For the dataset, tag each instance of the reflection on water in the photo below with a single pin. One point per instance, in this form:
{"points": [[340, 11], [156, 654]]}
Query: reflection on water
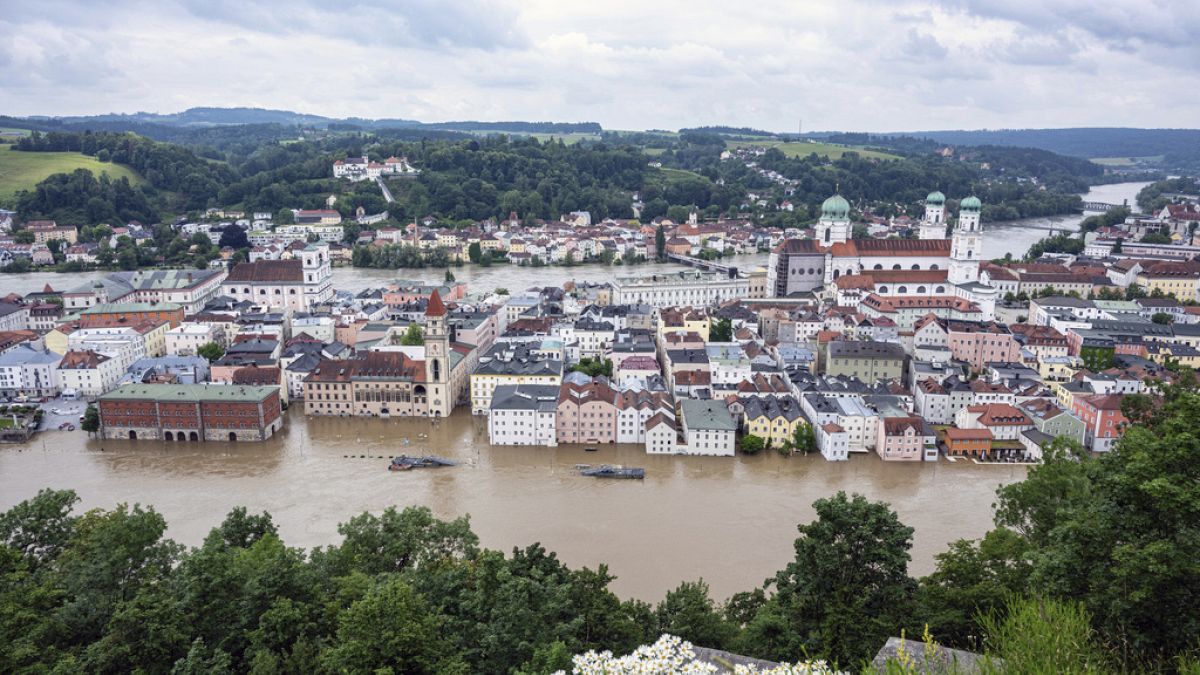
{"points": [[731, 521]]}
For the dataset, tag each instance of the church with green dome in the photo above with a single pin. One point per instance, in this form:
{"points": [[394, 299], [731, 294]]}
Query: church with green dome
{"points": [[940, 267]]}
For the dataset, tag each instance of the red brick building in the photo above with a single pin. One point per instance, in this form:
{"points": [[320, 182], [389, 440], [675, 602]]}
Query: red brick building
{"points": [[190, 412], [117, 313]]}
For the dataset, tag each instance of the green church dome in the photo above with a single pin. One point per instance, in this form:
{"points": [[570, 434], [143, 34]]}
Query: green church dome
{"points": [[835, 207], [971, 203], [935, 197]]}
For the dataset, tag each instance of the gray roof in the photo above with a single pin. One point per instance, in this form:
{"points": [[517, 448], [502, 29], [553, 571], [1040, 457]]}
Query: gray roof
{"points": [[865, 349], [773, 407], [707, 415], [540, 397], [23, 354]]}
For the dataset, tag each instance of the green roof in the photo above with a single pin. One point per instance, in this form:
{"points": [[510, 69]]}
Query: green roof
{"points": [[971, 203], [113, 307], [935, 197], [835, 207], [707, 415], [193, 393]]}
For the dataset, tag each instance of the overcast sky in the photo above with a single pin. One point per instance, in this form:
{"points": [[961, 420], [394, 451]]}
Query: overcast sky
{"points": [[629, 64]]}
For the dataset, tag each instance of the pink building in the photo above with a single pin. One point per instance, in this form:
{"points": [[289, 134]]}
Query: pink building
{"points": [[900, 439], [1102, 420], [587, 413], [980, 343], [403, 292]]}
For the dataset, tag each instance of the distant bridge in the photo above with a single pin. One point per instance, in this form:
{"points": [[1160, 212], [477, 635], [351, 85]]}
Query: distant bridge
{"points": [[710, 265], [1100, 207]]}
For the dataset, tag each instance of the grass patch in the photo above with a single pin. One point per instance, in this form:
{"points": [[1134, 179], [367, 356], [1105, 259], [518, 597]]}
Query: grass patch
{"points": [[804, 149], [24, 170], [667, 176], [653, 152], [6, 423]]}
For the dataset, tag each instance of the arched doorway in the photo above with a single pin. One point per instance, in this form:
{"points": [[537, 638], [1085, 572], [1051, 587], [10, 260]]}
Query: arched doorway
{"points": [[168, 436], [232, 436], [132, 435], [193, 436]]}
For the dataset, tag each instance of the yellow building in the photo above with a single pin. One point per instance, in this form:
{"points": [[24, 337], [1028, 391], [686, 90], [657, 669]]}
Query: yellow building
{"points": [[1178, 280], [1184, 355], [1058, 368], [772, 418], [683, 320]]}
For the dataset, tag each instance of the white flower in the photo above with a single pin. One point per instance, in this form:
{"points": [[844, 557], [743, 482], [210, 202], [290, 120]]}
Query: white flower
{"points": [[674, 655]]}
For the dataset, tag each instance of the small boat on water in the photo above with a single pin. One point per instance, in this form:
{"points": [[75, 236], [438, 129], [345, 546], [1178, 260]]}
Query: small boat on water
{"points": [[614, 471], [406, 462], [591, 449]]}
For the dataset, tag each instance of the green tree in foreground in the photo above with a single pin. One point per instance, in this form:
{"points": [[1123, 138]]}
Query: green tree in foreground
{"points": [[688, 612], [392, 630], [845, 593]]}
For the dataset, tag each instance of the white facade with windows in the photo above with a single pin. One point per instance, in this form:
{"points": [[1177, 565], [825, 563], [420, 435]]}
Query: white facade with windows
{"points": [[688, 288], [25, 371], [186, 338], [524, 415]]}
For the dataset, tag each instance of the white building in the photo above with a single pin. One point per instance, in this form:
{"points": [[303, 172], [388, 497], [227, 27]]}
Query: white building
{"points": [[523, 415], [295, 285], [661, 436], [708, 428], [123, 344], [89, 373], [186, 338], [694, 288], [25, 371], [833, 441]]}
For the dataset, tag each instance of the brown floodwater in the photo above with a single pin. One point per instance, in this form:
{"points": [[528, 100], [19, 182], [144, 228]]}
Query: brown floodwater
{"points": [[731, 521]]}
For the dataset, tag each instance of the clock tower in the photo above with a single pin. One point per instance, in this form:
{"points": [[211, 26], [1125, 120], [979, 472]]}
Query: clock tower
{"points": [[437, 358]]}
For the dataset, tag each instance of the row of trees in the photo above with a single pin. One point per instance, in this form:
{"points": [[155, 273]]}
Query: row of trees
{"points": [[1110, 543], [398, 256]]}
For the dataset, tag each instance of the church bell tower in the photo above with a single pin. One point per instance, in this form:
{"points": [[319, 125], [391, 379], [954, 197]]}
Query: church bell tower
{"points": [[437, 358]]}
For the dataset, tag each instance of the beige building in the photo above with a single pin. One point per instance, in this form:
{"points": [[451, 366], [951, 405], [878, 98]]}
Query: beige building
{"points": [[866, 360]]}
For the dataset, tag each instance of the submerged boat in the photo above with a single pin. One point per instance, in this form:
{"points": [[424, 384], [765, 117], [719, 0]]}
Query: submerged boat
{"points": [[611, 471], [405, 462]]}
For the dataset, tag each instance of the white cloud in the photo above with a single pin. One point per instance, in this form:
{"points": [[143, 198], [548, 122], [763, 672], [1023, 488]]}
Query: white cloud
{"points": [[850, 64]]}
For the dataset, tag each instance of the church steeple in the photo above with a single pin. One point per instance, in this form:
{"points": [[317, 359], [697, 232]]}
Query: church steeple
{"points": [[437, 357]]}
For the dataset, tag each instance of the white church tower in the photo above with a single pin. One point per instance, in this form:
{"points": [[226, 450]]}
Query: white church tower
{"points": [[834, 225], [933, 225], [965, 244]]}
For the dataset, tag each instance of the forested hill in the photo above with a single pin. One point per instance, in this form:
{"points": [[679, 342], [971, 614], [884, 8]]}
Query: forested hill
{"points": [[1077, 142], [209, 117]]}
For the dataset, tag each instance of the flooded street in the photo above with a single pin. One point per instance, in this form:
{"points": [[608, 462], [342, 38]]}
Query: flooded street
{"points": [[729, 520]]}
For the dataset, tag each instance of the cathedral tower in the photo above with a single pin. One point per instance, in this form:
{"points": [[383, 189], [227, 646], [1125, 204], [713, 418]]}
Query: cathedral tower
{"points": [[965, 244], [834, 225], [933, 224]]}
